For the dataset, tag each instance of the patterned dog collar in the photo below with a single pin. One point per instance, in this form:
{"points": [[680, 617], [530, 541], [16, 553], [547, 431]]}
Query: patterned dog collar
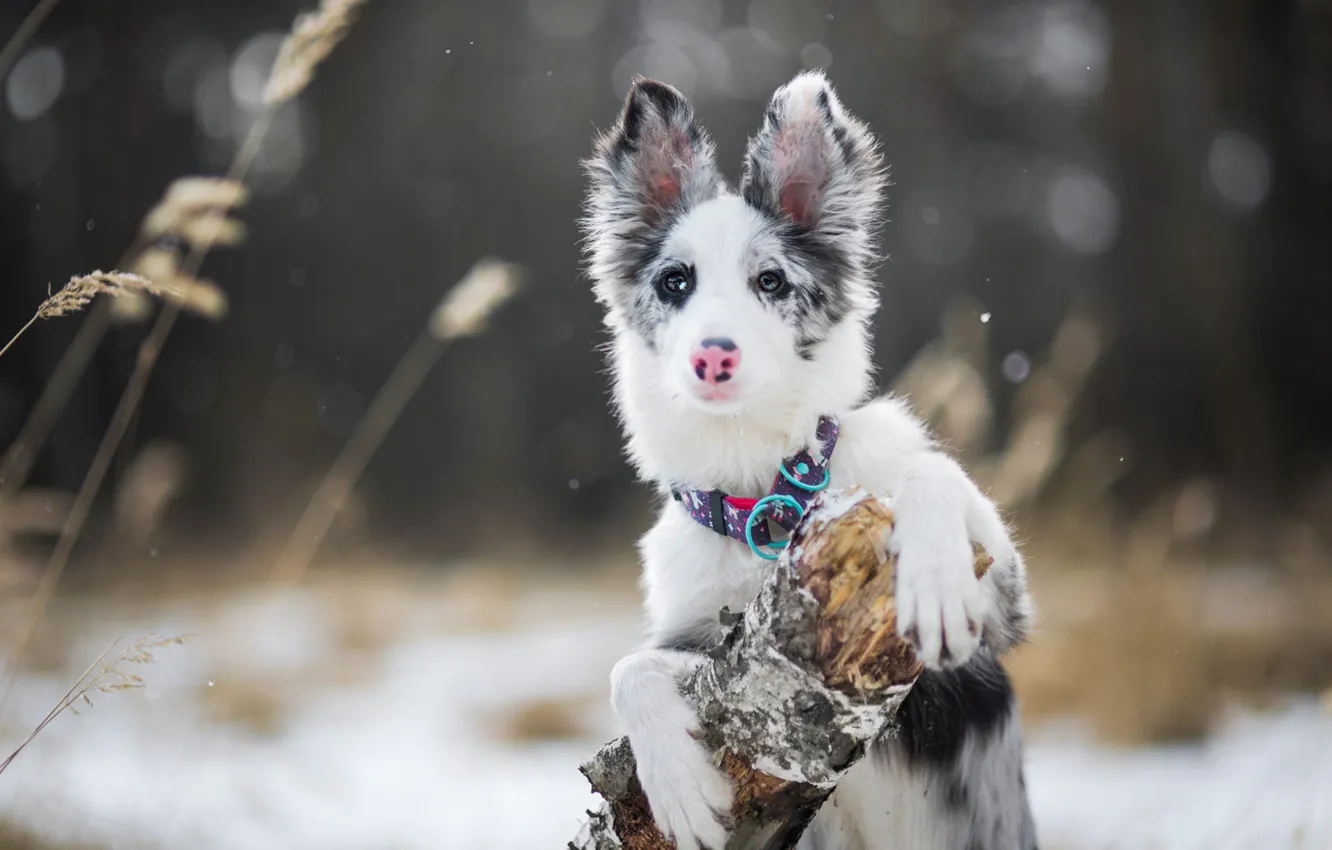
{"points": [[798, 479]]}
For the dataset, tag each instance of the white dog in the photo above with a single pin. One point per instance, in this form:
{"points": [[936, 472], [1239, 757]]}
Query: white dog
{"points": [[741, 357]]}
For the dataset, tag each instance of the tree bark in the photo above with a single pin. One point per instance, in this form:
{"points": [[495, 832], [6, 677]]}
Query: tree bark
{"points": [[798, 688]]}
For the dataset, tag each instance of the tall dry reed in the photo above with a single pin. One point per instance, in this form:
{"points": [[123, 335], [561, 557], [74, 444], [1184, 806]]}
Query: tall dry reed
{"points": [[101, 677], [77, 294], [312, 38], [194, 210], [463, 312]]}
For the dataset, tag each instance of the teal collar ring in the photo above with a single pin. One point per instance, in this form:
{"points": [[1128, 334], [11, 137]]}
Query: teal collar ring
{"points": [[799, 478]]}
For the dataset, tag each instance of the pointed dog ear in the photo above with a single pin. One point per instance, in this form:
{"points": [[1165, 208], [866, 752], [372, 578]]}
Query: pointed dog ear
{"points": [[655, 159], [813, 163]]}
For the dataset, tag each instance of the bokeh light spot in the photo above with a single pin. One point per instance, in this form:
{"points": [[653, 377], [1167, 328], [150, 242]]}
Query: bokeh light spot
{"points": [[35, 82], [1083, 212], [815, 55], [1072, 52], [1240, 169], [1016, 367]]}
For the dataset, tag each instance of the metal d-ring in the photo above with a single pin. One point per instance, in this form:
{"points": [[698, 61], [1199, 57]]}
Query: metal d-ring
{"points": [[757, 511], [810, 488]]}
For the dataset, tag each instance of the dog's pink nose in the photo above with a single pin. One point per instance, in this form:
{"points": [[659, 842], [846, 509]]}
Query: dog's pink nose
{"points": [[715, 360]]}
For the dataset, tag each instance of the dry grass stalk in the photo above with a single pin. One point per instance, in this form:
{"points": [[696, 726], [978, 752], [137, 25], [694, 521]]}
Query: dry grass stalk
{"points": [[196, 296], [79, 293], [185, 197], [211, 229], [35, 510], [121, 417], [161, 267], [191, 199], [149, 352], [946, 382], [946, 385], [131, 308], [151, 482], [101, 677], [464, 310], [22, 452], [191, 196], [20, 455], [196, 210], [81, 290], [155, 263], [200, 297], [313, 37], [466, 307], [158, 263]]}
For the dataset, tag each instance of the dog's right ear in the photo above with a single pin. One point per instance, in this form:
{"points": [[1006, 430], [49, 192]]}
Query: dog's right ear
{"points": [[814, 165], [654, 162]]}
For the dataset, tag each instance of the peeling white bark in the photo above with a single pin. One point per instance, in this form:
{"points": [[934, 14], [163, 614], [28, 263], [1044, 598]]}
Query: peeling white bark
{"points": [[765, 698], [784, 734]]}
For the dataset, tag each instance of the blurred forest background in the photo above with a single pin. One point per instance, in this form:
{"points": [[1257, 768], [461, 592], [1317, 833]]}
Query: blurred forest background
{"points": [[1109, 287]]}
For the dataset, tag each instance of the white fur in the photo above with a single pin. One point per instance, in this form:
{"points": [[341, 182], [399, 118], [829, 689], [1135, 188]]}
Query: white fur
{"points": [[678, 438], [690, 572], [686, 792]]}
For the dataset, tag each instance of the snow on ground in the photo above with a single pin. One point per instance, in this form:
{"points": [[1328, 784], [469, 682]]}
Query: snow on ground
{"points": [[398, 746], [1263, 782]]}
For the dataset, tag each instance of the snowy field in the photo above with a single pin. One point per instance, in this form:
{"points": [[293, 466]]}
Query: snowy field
{"points": [[286, 724]]}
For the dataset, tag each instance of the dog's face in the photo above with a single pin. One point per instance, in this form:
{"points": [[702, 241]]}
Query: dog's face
{"points": [[725, 302]]}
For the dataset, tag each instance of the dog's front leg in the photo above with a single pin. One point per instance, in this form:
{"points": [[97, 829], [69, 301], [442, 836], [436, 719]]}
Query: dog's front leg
{"points": [[945, 611], [688, 794]]}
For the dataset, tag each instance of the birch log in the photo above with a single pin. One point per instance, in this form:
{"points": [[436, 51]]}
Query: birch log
{"points": [[796, 691]]}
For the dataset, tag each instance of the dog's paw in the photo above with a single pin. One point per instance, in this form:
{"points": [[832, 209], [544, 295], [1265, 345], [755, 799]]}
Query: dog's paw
{"points": [[690, 798], [940, 605]]}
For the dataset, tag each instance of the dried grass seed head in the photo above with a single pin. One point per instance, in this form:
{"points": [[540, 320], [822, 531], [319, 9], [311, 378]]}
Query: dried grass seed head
{"points": [[131, 308], [312, 38], [200, 297], [161, 266], [81, 290], [207, 193], [196, 210], [210, 229], [468, 305]]}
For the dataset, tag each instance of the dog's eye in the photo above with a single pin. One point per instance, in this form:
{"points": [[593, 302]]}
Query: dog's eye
{"points": [[771, 282], [675, 283]]}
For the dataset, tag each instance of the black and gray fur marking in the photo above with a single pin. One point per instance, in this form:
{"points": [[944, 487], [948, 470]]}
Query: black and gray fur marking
{"points": [[809, 140], [827, 258], [945, 706], [700, 637], [1011, 622], [645, 172], [958, 728]]}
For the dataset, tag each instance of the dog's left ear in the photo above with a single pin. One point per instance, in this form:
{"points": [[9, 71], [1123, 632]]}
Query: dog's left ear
{"points": [[813, 163], [655, 159], [655, 163]]}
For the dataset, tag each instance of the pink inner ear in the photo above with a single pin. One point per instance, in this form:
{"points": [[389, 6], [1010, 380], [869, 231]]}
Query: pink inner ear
{"points": [[665, 158], [665, 189], [801, 170], [800, 201]]}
